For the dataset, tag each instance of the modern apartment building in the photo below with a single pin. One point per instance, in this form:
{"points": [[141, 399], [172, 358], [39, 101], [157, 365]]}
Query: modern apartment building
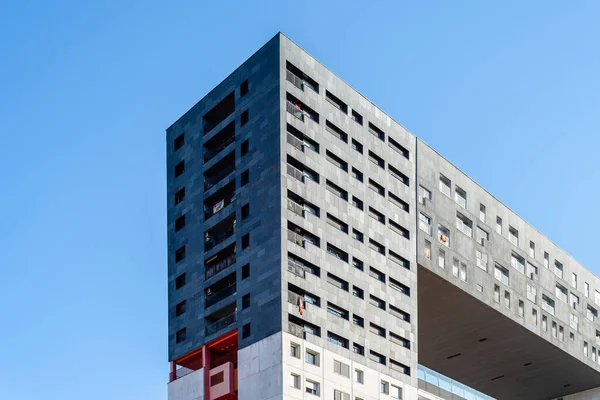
{"points": [[317, 249]]}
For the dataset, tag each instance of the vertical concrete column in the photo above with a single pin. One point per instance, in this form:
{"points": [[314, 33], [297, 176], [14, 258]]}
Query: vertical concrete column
{"points": [[206, 366]]}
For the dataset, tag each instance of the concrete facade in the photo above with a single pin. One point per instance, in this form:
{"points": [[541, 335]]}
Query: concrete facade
{"points": [[303, 226]]}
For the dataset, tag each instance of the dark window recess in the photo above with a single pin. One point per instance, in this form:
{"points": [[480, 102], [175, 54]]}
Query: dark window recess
{"points": [[299, 78], [376, 215], [398, 201], [180, 308], [358, 320], [357, 174], [357, 117], [301, 207], [217, 378], [356, 145], [398, 259], [300, 266], [220, 290], [358, 264], [244, 118], [245, 211], [336, 190], [337, 132], [394, 338], [245, 241], [376, 187], [219, 171], [337, 340], [375, 159], [180, 335], [219, 233], [246, 301], [299, 171], [337, 282], [246, 271], [399, 229], [399, 175], [244, 88], [398, 313], [180, 281], [301, 328], [179, 168], [300, 110], [180, 254], [337, 253], [308, 297], [378, 247], [376, 131], [400, 287], [179, 142], [336, 102], [219, 142], [398, 147], [301, 236], [217, 202], [377, 302], [299, 140], [219, 112], [335, 160], [397, 366], [376, 329], [358, 292], [376, 274], [245, 147], [246, 331], [245, 178], [337, 223], [378, 358], [179, 196], [220, 319], [337, 311], [220, 261], [358, 349], [356, 202], [180, 223]]}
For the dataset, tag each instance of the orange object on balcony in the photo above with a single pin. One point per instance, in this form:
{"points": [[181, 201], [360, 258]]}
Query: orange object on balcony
{"points": [[222, 381]]}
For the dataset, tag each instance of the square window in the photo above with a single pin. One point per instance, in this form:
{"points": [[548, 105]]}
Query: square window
{"points": [[295, 381], [358, 349], [245, 211], [245, 271], [244, 88], [180, 254], [179, 168], [244, 118], [246, 331], [245, 241], [359, 376], [245, 147], [178, 142], [179, 196], [180, 281], [180, 335], [312, 357], [246, 301], [180, 223], [180, 308], [245, 178]]}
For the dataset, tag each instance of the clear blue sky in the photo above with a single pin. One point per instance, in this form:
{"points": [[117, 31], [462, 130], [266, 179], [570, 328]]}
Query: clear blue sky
{"points": [[509, 91]]}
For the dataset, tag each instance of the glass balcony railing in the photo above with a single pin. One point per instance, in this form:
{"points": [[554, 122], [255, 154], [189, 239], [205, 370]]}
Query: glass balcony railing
{"points": [[222, 323], [435, 378]]}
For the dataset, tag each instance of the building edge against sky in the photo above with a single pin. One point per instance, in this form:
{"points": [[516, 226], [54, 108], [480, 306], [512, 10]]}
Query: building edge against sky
{"points": [[305, 226]]}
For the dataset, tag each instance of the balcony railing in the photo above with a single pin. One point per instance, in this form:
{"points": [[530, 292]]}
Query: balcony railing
{"points": [[296, 330], [296, 81], [295, 238], [209, 154], [501, 277], [214, 269], [295, 208], [295, 172], [213, 180], [220, 295], [294, 141], [296, 269], [548, 308], [213, 240], [295, 110], [221, 324]]}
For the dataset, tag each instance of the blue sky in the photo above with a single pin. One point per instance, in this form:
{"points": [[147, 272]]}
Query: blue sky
{"points": [[509, 91]]}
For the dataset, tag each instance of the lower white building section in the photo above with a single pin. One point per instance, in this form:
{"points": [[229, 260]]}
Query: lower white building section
{"points": [[260, 370], [188, 387]]}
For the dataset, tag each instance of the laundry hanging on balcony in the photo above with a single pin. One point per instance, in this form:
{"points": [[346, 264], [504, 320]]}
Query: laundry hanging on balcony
{"points": [[219, 206], [300, 303]]}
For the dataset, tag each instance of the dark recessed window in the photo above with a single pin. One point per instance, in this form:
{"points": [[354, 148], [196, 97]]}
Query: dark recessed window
{"points": [[245, 241], [245, 271], [180, 281], [179, 223], [180, 254], [180, 335], [246, 331], [245, 178], [246, 301], [178, 142], [245, 147], [244, 118], [179, 196], [179, 168], [244, 88], [245, 211], [180, 308]]}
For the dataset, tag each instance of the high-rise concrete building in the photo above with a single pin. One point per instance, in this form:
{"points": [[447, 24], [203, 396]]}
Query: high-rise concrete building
{"points": [[317, 249]]}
